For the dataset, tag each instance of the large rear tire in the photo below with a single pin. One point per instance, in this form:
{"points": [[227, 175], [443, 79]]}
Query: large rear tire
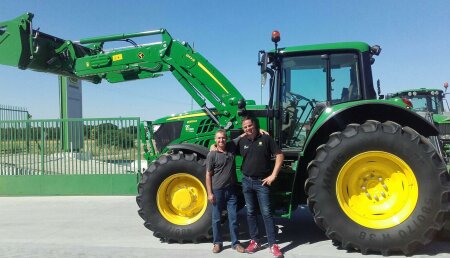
{"points": [[378, 187], [172, 198]]}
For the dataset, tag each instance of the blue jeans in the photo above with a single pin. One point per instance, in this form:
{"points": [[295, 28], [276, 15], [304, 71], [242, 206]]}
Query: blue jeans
{"points": [[226, 196], [254, 192]]}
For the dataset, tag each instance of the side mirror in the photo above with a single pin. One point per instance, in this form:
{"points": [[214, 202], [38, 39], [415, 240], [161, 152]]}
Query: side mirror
{"points": [[379, 90], [262, 61]]}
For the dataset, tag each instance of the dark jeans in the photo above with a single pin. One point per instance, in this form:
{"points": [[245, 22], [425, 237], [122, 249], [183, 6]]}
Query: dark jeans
{"points": [[225, 197], [254, 192]]}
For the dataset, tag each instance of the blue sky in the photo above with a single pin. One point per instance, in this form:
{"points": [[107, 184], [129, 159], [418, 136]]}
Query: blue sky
{"points": [[414, 36]]}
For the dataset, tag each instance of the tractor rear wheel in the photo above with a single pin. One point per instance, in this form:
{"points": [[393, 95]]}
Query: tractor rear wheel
{"points": [[378, 187], [172, 198]]}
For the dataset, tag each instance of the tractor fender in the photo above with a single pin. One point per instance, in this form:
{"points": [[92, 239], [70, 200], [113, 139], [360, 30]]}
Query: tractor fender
{"points": [[381, 112], [189, 148]]}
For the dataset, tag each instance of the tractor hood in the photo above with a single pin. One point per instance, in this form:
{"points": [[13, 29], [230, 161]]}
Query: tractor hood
{"points": [[441, 119], [194, 114]]}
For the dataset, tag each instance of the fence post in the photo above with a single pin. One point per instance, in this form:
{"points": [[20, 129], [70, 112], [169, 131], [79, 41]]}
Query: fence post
{"points": [[139, 144], [27, 133], [42, 147]]}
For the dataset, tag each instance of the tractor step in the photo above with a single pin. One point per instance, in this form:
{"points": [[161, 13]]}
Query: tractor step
{"points": [[283, 204]]}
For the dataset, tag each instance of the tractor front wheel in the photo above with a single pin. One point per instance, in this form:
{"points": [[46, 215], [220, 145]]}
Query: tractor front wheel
{"points": [[172, 198], [378, 187]]}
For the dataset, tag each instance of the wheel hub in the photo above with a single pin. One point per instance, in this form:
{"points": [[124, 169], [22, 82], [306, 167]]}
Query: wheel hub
{"points": [[181, 199], [377, 189]]}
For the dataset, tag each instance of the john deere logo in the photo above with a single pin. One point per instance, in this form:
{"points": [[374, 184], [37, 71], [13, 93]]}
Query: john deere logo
{"points": [[141, 55]]}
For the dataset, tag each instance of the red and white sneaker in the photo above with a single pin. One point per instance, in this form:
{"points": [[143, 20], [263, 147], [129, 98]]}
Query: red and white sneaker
{"points": [[252, 247], [275, 250]]}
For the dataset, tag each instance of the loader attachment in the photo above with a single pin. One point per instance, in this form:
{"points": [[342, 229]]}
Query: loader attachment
{"points": [[15, 41], [23, 47]]}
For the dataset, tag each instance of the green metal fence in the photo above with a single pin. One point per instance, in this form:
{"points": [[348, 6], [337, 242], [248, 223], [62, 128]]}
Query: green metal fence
{"points": [[70, 146], [67, 148], [13, 113]]}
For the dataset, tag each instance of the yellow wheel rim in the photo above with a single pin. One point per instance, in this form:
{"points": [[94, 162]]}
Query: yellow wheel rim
{"points": [[181, 199], [377, 189]]}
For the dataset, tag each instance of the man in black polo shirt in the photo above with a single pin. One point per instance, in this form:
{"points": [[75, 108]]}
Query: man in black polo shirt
{"points": [[257, 151]]}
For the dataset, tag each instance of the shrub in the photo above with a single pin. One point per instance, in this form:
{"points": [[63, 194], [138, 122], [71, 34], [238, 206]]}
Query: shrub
{"points": [[114, 138]]}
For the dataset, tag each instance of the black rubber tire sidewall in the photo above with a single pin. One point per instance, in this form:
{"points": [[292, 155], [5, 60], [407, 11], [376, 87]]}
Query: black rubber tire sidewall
{"points": [[427, 168], [160, 170]]}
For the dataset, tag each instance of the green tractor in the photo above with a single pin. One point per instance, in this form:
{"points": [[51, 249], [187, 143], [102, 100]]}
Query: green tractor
{"points": [[365, 167], [430, 103]]}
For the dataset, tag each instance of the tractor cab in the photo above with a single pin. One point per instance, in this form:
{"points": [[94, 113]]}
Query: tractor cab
{"points": [[423, 99], [306, 80]]}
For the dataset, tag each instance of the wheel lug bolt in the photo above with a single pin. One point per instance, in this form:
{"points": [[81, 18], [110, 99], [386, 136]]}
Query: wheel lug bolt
{"points": [[385, 187], [383, 194], [376, 198]]}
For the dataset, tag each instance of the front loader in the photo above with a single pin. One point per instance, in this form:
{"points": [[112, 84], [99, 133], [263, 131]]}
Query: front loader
{"points": [[365, 167]]}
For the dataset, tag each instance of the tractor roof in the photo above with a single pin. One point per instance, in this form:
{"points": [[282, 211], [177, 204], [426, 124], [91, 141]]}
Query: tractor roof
{"points": [[360, 46], [419, 91]]}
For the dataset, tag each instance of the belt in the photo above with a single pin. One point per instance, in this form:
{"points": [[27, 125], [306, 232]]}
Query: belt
{"points": [[255, 177]]}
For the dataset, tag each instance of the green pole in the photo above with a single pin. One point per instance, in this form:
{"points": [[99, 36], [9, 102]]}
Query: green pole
{"points": [[63, 112]]}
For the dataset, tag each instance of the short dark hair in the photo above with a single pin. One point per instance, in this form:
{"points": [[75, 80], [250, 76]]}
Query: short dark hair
{"points": [[251, 118], [244, 118]]}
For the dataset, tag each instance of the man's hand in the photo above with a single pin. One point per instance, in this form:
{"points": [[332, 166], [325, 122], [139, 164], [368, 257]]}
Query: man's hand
{"points": [[279, 157], [211, 198], [269, 180], [213, 147], [261, 131]]}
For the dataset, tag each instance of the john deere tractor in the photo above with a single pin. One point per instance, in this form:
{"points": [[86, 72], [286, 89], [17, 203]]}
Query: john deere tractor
{"points": [[430, 103], [365, 167]]}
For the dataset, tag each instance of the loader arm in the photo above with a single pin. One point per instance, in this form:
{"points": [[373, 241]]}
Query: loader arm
{"points": [[23, 47]]}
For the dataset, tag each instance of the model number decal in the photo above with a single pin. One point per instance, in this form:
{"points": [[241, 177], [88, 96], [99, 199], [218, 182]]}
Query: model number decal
{"points": [[117, 57], [189, 129], [190, 57]]}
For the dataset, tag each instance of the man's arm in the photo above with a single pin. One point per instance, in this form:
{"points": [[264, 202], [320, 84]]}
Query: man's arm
{"points": [[211, 197], [279, 158], [237, 139], [209, 175]]}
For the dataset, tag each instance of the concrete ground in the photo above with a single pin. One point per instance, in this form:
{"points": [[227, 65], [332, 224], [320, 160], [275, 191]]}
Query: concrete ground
{"points": [[110, 227]]}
